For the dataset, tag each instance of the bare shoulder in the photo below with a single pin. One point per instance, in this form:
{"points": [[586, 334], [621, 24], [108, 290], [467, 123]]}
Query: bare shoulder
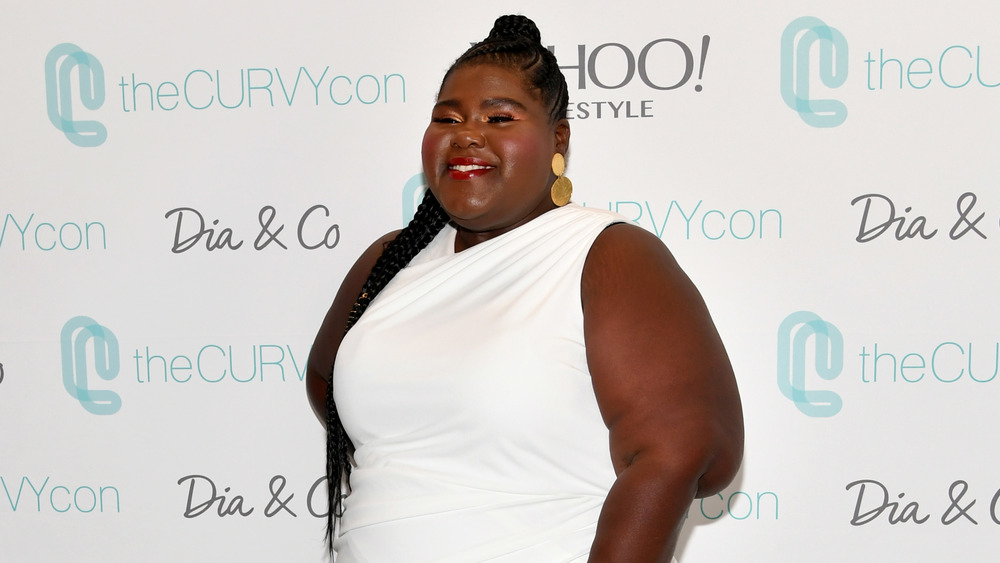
{"points": [[626, 261], [661, 374], [633, 287]]}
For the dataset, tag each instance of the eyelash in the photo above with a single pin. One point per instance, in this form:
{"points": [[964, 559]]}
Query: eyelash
{"points": [[498, 118]]}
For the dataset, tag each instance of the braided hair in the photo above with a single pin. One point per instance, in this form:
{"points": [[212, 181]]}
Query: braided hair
{"points": [[514, 42], [429, 219]]}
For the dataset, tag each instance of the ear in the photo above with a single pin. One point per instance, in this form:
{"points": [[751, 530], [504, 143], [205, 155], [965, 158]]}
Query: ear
{"points": [[562, 136]]}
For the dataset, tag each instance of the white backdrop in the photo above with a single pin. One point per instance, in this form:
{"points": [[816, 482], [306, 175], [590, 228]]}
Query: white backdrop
{"points": [[164, 268]]}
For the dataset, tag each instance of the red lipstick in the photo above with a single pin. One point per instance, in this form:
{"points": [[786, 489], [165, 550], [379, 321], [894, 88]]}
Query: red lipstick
{"points": [[465, 168]]}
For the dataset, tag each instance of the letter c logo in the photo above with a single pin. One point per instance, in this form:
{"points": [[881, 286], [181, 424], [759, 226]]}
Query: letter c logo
{"points": [[75, 336], [793, 336], [413, 194], [60, 62], [795, 70]]}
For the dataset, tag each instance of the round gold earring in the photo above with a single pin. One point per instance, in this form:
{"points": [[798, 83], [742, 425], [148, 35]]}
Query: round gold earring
{"points": [[562, 188]]}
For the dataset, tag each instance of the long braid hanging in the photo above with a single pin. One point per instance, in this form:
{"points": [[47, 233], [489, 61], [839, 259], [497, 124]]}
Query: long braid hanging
{"points": [[514, 41], [427, 222]]}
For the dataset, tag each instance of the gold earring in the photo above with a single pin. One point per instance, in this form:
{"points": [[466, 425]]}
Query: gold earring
{"points": [[562, 188]]}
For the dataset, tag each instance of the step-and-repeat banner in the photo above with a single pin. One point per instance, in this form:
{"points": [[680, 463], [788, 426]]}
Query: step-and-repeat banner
{"points": [[184, 185]]}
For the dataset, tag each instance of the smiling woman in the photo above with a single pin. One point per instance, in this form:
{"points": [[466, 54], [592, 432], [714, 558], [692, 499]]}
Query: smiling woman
{"points": [[487, 151], [514, 378]]}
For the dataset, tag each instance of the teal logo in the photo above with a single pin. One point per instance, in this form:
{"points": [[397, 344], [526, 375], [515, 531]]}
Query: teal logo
{"points": [[794, 336], [413, 194], [79, 335], [796, 70], [62, 63]]}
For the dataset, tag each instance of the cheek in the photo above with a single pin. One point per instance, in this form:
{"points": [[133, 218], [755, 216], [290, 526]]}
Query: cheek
{"points": [[430, 149], [529, 155]]}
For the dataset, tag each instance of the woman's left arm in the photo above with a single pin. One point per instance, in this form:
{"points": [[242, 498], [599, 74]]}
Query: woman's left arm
{"points": [[665, 389]]}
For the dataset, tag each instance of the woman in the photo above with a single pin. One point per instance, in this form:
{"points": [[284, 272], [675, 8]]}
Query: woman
{"points": [[514, 341]]}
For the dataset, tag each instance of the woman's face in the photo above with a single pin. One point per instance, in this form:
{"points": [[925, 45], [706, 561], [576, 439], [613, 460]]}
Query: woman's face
{"points": [[488, 150]]}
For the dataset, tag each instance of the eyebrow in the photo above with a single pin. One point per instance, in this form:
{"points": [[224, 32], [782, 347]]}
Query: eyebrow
{"points": [[503, 102], [487, 103]]}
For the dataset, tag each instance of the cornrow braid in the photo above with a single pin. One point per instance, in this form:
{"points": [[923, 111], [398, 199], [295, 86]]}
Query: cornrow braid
{"points": [[427, 222], [516, 42]]}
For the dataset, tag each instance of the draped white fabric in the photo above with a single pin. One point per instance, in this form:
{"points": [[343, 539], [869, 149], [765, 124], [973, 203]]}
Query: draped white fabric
{"points": [[465, 387]]}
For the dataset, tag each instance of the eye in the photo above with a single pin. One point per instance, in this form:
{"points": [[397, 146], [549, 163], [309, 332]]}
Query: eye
{"points": [[446, 120], [500, 118]]}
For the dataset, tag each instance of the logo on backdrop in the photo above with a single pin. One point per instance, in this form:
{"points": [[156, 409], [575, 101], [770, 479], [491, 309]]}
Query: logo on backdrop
{"points": [[48, 494], [215, 363], [205, 363], [796, 70], [873, 505], [881, 215], [663, 64], [46, 236], [735, 505], [60, 63], [203, 496], [794, 335], [314, 230], [413, 194], [1, 373], [143, 91], [77, 334], [690, 220], [810, 348], [698, 219]]}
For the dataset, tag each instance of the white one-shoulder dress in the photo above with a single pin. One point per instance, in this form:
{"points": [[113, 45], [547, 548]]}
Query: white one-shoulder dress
{"points": [[465, 390]]}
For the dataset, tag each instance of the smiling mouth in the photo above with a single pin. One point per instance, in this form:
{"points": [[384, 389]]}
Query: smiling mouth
{"points": [[468, 167]]}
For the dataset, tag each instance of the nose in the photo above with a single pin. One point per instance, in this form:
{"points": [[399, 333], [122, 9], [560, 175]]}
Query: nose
{"points": [[468, 135]]}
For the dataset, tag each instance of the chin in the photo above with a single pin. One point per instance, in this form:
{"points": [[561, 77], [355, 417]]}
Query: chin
{"points": [[461, 208], [468, 220]]}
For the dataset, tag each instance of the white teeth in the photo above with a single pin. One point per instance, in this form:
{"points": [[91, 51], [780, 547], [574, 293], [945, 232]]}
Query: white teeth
{"points": [[468, 167]]}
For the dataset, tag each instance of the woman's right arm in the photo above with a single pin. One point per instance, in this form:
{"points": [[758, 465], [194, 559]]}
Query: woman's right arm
{"points": [[331, 332]]}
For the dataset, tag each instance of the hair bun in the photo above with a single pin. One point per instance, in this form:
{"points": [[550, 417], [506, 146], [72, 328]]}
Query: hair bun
{"points": [[512, 28]]}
